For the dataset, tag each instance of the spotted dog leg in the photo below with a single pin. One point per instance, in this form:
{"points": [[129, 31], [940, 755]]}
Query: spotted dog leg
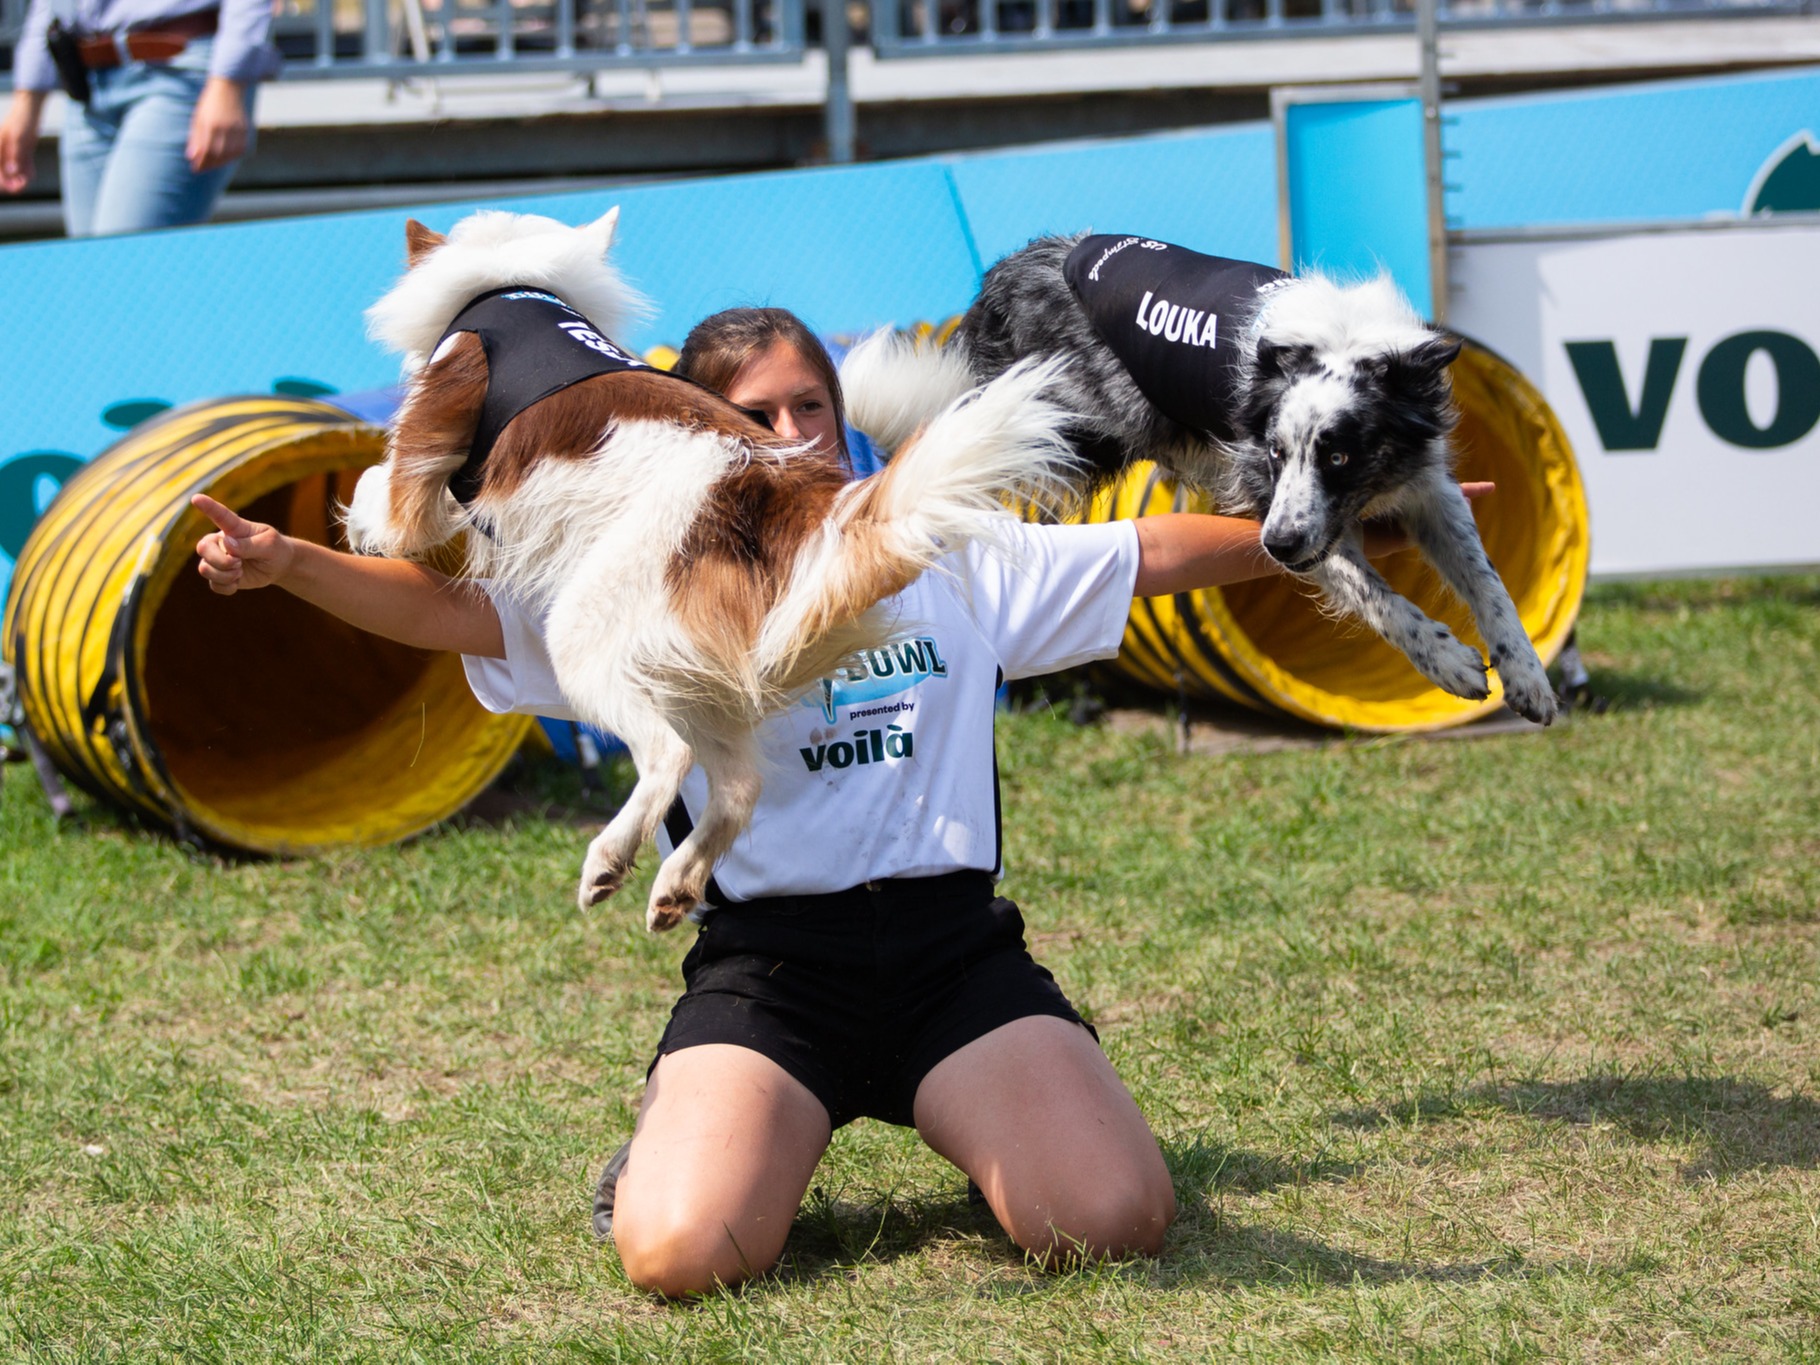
{"points": [[1442, 525], [1350, 584]]}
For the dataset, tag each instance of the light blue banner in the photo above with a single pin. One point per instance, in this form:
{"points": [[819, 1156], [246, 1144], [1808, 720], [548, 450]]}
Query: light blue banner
{"points": [[96, 335], [1213, 190], [1358, 201], [1670, 150]]}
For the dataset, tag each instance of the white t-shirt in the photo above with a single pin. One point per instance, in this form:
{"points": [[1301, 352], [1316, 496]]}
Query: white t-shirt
{"points": [[888, 769]]}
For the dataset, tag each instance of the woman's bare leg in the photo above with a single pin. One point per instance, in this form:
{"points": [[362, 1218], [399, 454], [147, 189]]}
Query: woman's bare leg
{"points": [[1035, 1114], [725, 1146]]}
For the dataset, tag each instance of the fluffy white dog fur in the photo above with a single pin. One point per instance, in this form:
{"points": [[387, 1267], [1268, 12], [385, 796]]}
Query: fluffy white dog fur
{"points": [[694, 572]]}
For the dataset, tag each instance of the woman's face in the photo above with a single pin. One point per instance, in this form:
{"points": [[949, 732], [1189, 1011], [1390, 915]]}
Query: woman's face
{"points": [[781, 384]]}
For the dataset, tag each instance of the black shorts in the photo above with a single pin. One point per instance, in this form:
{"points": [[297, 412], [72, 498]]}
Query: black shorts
{"points": [[859, 994]]}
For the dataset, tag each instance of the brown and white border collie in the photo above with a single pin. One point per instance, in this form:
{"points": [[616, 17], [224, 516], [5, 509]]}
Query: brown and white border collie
{"points": [[695, 572]]}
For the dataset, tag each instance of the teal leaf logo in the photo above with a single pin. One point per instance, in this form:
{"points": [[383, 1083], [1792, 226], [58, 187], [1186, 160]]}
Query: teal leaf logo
{"points": [[130, 412], [1789, 179], [292, 386], [28, 482]]}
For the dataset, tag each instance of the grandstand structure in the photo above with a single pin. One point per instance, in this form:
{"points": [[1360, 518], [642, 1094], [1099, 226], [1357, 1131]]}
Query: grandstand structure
{"points": [[403, 101]]}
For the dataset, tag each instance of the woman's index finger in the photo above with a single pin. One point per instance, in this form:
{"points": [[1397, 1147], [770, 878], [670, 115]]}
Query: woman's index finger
{"points": [[225, 518]]}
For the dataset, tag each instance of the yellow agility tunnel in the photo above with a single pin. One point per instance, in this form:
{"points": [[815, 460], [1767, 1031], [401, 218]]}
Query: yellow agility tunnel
{"points": [[1267, 644], [256, 720]]}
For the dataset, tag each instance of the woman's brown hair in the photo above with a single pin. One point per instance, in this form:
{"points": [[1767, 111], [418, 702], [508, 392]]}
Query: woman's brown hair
{"points": [[724, 343]]}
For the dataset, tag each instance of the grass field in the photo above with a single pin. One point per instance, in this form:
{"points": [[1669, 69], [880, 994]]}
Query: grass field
{"points": [[1505, 1049]]}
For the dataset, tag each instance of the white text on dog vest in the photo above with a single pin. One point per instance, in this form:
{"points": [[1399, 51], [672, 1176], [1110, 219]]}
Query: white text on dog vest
{"points": [[1175, 322]]}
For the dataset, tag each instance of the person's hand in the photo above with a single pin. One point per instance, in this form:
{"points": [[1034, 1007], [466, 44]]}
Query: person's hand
{"points": [[19, 139], [241, 553], [218, 129], [1385, 536]]}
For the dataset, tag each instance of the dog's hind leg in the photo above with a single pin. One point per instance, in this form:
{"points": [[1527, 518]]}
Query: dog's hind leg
{"points": [[662, 760], [1348, 582], [731, 763], [1441, 524]]}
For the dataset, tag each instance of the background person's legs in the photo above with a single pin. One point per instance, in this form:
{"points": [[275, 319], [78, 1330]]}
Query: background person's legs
{"points": [[725, 1147], [83, 148], [1036, 1115], [147, 181]]}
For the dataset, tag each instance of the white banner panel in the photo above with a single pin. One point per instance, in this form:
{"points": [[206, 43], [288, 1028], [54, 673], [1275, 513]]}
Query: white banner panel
{"points": [[1685, 367]]}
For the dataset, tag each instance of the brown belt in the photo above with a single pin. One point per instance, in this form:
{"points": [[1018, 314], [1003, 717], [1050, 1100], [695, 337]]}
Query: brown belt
{"points": [[160, 43]]}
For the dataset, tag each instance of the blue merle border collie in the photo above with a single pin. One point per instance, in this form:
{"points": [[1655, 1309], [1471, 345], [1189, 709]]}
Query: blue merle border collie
{"points": [[1306, 403]]}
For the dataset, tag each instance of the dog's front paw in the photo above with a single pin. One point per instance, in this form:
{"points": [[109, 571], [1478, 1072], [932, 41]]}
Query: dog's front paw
{"points": [[1527, 690], [601, 875], [1452, 665], [666, 912], [680, 885]]}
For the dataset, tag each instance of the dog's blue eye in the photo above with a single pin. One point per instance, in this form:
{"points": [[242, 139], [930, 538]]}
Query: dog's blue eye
{"points": [[1336, 458], [1276, 453]]}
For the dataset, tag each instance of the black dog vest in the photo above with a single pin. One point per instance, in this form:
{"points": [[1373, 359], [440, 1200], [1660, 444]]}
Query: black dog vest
{"points": [[1174, 318], [536, 345]]}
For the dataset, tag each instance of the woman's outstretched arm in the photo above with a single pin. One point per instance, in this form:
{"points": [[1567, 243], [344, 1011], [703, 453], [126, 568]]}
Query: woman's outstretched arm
{"points": [[1182, 551], [391, 597]]}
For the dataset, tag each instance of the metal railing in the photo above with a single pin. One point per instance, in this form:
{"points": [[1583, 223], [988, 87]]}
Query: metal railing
{"points": [[404, 38], [399, 38], [395, 39], [905, 28]]}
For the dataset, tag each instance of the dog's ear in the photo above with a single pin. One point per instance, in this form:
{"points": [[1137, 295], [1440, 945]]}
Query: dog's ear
{"points": [[1435, 353], [1275, 359], [419, 241], [1419, 371], [1416, 383], [603, 228]]}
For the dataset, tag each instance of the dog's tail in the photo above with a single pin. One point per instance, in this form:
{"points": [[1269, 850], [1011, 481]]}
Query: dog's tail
{"points": [[894, 384], [949, 487]]}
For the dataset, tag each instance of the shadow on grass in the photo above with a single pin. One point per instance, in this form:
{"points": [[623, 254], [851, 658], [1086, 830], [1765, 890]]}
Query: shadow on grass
{"points": [[1201, 1169], [90, 815], [1424, 1107], [1633, 691], [1743, 1125], [549, 790], [834, 1237], [1210, 1249], [831, 1235], [1206, 1246]]}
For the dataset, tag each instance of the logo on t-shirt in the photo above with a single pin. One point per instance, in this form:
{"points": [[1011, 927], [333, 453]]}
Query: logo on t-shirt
{"points": [[879, 673], [864, 689]]}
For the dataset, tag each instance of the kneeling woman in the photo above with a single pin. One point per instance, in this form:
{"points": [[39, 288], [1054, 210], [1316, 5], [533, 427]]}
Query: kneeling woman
{"points": [[855, 961]]}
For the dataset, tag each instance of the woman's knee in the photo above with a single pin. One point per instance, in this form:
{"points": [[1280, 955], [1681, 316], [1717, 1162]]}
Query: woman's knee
{"points": [[678, 1255], [726, 1145], [1108, 1219]]}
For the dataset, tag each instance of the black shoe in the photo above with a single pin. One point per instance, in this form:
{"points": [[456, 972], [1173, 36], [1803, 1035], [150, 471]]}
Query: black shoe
{"points": [[605, 1190]]}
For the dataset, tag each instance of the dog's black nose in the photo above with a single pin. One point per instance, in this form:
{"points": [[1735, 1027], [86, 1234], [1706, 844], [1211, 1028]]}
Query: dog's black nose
{"points": [[1288, 547]]}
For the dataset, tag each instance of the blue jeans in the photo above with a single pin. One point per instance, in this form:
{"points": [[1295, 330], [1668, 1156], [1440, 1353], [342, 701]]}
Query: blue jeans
{"points": [[122, 153]]}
